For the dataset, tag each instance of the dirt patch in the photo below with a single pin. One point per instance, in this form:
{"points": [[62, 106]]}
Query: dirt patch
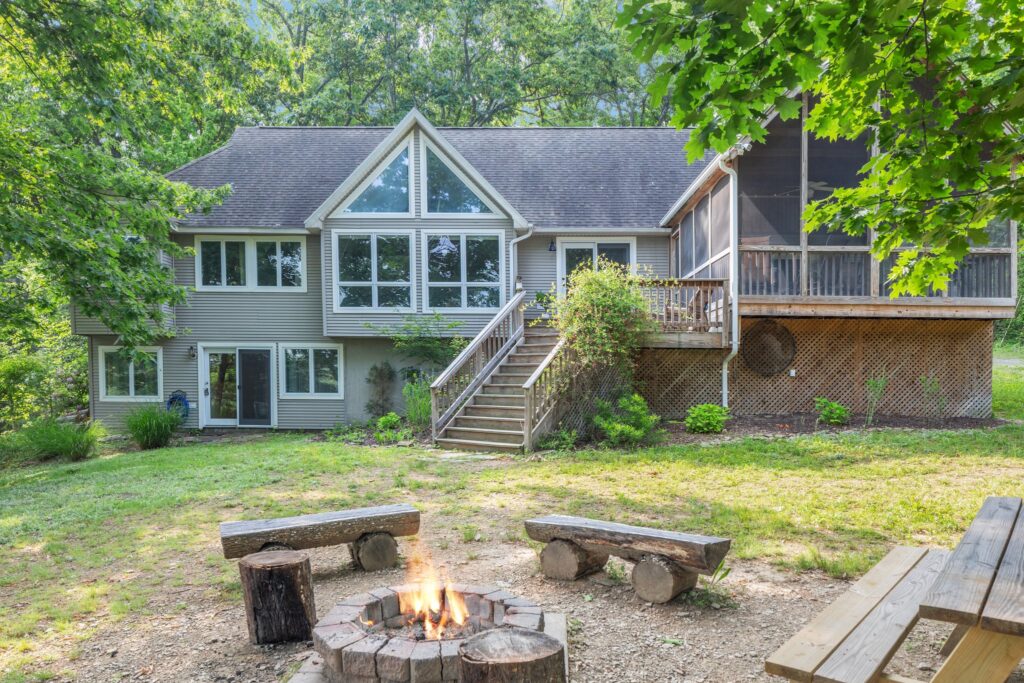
{"points": [[191, 635], [807, 423]]}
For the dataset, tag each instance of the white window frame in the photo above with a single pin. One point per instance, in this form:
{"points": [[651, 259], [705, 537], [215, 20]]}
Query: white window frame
{"points": [[373, 283], [474, 188], [250, 263], [342, 212], [283, 349], [563, 241], [463, 233], [131, 397]]}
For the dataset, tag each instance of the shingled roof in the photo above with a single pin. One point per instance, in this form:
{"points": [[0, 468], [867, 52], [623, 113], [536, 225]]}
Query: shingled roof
{"points": [[573, 178]]}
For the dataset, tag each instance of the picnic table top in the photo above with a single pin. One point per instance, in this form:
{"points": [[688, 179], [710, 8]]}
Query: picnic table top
{"points": [[982, 583]]}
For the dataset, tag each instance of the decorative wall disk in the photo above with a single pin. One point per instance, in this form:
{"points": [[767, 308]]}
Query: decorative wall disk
{"points": [[834, 358], [768, 347]]}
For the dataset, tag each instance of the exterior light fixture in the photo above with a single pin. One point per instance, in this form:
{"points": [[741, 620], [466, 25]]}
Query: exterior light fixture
{"points": [[192, 352], [552, 247]]}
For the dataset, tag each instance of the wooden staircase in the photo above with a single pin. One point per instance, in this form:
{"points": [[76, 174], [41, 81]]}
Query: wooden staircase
{"points": [[493, 418]]}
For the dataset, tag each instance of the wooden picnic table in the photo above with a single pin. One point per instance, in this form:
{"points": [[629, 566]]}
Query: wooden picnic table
{"points": [[979, 587]]}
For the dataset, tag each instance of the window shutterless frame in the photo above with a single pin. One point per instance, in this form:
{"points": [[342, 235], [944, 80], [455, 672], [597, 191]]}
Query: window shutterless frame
{"points": [[496, 213], [405, 145], [463, 284], [583, 242], [373, 283], [102, 352], [311, 394], [250, 272]]}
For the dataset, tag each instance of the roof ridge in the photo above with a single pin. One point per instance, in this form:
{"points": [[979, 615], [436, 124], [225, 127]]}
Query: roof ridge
{"points": [[512, 128]]}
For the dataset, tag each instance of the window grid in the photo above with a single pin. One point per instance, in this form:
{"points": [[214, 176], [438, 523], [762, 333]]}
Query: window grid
{"points": [[311, 366], [105, 395], [250, 264], [374, 283], [463, 283]]}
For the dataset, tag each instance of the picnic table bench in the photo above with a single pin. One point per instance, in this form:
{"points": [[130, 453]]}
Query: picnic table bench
{"points": [[370, 531], [979, 586], [667, 562]]}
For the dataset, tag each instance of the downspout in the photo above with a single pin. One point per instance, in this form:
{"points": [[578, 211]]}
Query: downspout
{"points": [[514, 246], [734, 271]]}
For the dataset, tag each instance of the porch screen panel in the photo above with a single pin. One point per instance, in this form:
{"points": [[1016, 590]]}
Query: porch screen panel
{"points": [[720, 217], [687, 244], [832, 165], [701, 225], [769, 182]]}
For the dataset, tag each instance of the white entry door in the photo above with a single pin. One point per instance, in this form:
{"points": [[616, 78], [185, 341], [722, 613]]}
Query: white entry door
{"points": [[573, 253], [238, 386]]}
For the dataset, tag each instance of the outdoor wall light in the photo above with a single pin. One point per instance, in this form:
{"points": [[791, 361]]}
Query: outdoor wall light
{"points": [[552, 247], [192, 352]]}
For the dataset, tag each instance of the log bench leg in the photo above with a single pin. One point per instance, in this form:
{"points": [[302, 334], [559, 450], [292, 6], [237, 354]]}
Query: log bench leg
{"points": [[277, 587], [982, 656], [566, 561], [659, 579], [376, 551]]}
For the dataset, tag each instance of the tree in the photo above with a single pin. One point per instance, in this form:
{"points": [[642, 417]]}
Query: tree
{"points": [[97, 99], [939, 87]]}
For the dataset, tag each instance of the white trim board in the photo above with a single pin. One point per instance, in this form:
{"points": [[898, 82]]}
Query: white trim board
{"points": [[425, 144], [406, 145]]}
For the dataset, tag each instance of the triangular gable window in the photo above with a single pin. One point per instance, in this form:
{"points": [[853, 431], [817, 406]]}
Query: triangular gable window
{"points": [[446, 193], [388, 192]]}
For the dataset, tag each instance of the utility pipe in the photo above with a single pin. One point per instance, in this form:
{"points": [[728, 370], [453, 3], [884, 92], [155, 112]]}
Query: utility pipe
{"points": [[734, 271]]}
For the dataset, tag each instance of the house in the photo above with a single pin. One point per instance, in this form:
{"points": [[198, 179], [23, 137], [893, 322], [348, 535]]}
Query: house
{"points": [[331, 234]]}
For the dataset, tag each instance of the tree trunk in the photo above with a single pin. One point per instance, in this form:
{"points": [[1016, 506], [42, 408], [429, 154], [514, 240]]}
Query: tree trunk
{"points": [[566, 561], [278, 592], [659, 579], [373, 552], [512, 655]]}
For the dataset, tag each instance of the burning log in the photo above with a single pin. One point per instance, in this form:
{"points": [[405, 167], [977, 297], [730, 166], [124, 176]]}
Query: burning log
{"points": [[512, 655]]}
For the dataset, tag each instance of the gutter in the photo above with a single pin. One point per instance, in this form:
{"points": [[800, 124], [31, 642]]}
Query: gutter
{"points": [[514, 256], [734, 270]]}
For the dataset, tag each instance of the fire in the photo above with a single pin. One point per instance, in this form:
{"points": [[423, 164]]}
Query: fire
{"points": [[432, 604]]}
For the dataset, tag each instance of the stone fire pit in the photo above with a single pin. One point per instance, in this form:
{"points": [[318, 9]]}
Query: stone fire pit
{"points": [[369, 638]]}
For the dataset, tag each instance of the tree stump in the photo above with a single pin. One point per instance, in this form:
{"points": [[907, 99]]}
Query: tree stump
{"points": [[512, 655], [566, 561], [278, 592], [373, 552], [659, 579]]}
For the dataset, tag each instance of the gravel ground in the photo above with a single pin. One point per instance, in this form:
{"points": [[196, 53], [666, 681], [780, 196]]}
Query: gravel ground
{"points": [[190, 635]]}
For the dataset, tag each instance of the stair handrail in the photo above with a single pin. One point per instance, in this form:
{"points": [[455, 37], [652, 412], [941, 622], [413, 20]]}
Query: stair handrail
{"points": [[540, 395], [475, 363]]}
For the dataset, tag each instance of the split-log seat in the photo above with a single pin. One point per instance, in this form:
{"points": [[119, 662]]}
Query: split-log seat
{"points": [[667, 562], [370, 531], [979, 587]]}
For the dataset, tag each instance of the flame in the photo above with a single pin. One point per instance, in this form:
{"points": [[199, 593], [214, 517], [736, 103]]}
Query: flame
{"points": [[433, 603]]}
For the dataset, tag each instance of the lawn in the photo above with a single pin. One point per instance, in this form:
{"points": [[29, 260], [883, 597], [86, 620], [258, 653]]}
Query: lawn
{"points": [[88, 544]]}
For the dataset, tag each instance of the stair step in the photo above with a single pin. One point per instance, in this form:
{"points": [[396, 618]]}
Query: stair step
{"points": [[514, 438], [503, 424], [516, 365], [529, 356], [496, 399], [469, 445], [489, 410], [509, 380]]}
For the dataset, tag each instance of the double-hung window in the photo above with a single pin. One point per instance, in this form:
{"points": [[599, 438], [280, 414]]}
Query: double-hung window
{"points": [[127, 378], [463, 269], [311, 371], [251, 263], [373, 269]]}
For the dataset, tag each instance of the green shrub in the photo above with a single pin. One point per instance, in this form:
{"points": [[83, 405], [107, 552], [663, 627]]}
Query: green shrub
{"points": [[831, 412], [49, 439], [706, 418], [152, 426], [562, 440], [417, 402], [631, 425], [389, 429], [875, 388]]}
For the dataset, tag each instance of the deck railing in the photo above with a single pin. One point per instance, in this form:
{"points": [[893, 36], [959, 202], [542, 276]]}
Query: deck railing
{"points": [[690, 305], [542, 391], [473, 366]]}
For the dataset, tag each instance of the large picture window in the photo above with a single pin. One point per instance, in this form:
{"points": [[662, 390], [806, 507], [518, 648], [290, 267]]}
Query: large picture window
{"points": [[311, 371], [446, 191], [389, 191], [463, 270], [250, 263], [373, 270], [124, 378]]}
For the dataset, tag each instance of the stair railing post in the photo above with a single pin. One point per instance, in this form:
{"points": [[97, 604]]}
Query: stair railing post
{"points": [[435, 414], [528, 420]]}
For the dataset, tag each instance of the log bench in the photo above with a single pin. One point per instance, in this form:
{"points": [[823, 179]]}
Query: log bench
{"points": [[370, 531], [979, 587], [667, 562]]}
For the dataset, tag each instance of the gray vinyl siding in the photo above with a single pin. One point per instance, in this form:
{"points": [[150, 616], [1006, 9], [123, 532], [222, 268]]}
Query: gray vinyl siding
{"points": [[652, 251]]}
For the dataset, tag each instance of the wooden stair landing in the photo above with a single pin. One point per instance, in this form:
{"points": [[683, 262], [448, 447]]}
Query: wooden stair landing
{"points": [[493, 419]]}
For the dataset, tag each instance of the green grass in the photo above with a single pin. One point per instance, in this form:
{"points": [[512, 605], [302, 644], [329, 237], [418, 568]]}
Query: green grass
{"points": [[1008, 384], [98, 539]]}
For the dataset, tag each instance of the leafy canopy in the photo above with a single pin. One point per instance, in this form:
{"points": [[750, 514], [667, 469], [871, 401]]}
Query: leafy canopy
{"points": [[938, 86]]}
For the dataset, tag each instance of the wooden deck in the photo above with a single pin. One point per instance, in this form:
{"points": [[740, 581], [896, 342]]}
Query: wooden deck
{"points": [[692, 313]]}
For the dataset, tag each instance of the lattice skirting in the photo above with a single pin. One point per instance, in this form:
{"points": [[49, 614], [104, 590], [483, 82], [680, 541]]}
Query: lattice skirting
{"points": [[834, 358]]}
